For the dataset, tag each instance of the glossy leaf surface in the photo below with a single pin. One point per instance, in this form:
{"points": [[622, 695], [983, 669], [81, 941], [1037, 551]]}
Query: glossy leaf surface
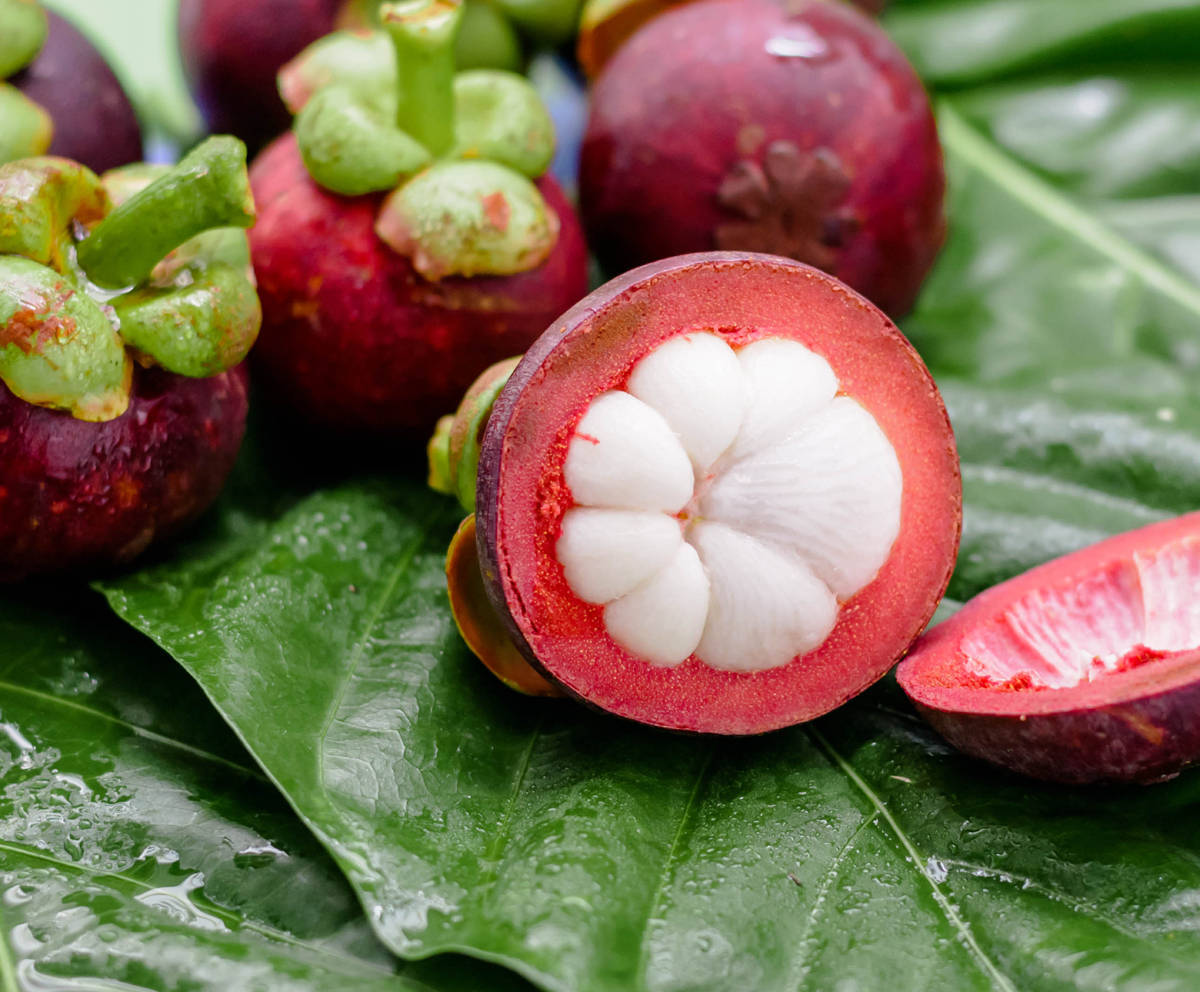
{"points": [[138, 842]]}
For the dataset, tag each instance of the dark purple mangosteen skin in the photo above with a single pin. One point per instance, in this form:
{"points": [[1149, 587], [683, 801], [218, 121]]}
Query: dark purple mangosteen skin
{"points": [[85, 496], [94, 122], [232, 50], [353, 338], [1141, 740], [793, 127]]}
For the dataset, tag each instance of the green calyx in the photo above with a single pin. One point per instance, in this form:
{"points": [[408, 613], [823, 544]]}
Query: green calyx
{"points": [[454, 448], [25, 128], [368, 124], [186, 300], [208, 188], [351, 146], [57, 346], [23, 28], [40, 200], [468, 219]]}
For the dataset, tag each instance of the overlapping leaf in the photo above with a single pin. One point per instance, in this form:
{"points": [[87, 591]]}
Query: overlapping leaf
{"points": [[138, 843]]}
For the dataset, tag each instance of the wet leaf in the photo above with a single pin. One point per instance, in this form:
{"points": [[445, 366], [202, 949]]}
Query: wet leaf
{"points": [[140, 844]]}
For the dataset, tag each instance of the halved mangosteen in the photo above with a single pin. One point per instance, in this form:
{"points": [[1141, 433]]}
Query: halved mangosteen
{"points": [[721, 494], [1084, 669]]}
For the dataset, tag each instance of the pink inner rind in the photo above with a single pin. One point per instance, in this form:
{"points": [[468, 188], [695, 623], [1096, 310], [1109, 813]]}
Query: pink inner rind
{"points": [[1113, 622], [522, 495]]}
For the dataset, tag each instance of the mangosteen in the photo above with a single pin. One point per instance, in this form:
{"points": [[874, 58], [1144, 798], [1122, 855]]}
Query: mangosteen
{"points": [[126, 308], [794, 127], [49, 66], [604, 25], [233, 49], [1085, 669], [407, 236], [721, 494]]}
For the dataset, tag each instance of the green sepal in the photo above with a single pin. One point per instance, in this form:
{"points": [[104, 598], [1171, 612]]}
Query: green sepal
{"points": [[39, 199], [57, 346], [454, 448], [468, 219], [363, 61], [487, 39], [222, 244], [547, 22], [23, 27], [126, 181], [207, 189], [202, 325], [351, 146], [441, 477], [25, 128], [500, 116]]}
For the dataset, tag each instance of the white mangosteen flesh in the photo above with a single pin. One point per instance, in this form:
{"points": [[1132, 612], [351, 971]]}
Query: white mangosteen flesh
{"points": [[726, 503]]}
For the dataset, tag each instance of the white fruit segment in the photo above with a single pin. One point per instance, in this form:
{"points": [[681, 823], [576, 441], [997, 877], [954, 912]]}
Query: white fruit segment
{"points": [[606, 553], [624, 455], [1063, 636], [662, 620], [727, 503]]}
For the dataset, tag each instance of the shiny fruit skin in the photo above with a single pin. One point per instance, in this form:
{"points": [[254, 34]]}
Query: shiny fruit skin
{"points": [[353, 338], [78, 496], [686, 119]]}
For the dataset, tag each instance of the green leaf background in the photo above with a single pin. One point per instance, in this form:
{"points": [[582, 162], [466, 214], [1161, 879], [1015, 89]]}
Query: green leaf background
{"points": [[1063, 323]]}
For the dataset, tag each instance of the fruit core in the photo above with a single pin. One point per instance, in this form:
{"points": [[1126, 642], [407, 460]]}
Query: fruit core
{"points": [[727, 502], [1132, 611]]}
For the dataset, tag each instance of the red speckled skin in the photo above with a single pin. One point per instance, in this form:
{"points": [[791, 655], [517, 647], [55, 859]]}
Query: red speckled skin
{"points": [[695, 91], [353, 338], [232, 50], [522, 495], [1137, 725], [83, 496], [94, 122]]}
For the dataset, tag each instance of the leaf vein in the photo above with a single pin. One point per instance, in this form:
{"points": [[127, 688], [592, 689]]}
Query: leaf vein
{"points": [[669, 861], [916, 860], [139, 731]]}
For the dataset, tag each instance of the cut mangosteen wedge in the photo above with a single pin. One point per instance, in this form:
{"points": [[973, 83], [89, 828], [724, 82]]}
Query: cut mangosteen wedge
{"points": [[1085, 669], [721, 494]]}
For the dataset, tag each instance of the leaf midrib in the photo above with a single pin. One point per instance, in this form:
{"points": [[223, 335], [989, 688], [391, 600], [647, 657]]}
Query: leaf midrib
{"points": [[1020, 182], [915, 860], [135, 729]]}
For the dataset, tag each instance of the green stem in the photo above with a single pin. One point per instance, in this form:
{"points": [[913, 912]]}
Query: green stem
{"points": [[207, 189], [423, 34]]}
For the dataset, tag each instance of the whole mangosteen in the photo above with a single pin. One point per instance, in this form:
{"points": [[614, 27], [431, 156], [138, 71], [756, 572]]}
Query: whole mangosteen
{"points": [[126, 308], [407, 235], [794, 127]]}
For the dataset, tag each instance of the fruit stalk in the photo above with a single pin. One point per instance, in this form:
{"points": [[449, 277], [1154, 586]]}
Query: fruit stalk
{"points": [[207, 189], [423, 34]]}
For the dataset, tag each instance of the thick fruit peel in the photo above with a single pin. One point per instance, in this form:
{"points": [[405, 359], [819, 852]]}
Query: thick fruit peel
{"points": [[1084, 669]]}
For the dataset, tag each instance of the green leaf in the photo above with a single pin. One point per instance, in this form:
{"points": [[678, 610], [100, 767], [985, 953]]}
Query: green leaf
{"points": [[138, 842], [593, 855]]}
